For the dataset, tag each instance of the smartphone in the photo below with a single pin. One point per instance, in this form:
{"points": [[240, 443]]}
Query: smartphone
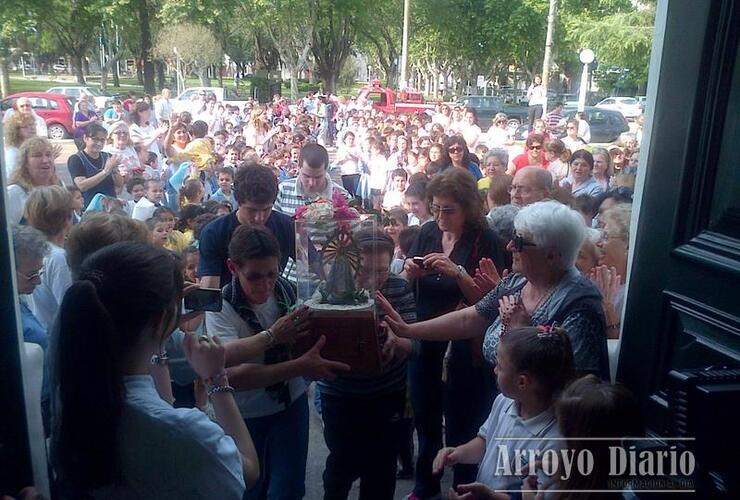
{"points": [[419, 261], [204, 299]]}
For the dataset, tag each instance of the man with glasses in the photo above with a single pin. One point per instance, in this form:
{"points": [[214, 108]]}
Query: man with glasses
{"points": [[255, 189], [534, 155], [530, 185]]}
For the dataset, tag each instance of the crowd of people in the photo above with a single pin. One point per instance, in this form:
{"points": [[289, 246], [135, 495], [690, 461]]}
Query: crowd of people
{"points": [[500, 274]]}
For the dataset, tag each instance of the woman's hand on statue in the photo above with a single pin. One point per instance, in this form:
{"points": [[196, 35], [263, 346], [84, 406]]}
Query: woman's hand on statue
{"points": [[314, 367], [394, 320], [512, 311], [393, 347], [441, 263], [291, 326]]}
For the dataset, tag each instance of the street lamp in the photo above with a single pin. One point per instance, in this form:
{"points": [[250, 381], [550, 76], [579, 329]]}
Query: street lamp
{"points": [[587, 57]]}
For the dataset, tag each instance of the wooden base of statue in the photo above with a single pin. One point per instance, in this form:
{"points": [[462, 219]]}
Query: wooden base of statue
{"points": [[351, 338]]}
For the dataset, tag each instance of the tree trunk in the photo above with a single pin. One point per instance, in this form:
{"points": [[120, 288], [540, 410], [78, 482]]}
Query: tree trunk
{"points": [[116, 79], [104, 77], [139, 72], [85, 66], [146, 48], [77, 63], [203, 75], [4, 78], [220, 75], [160, 75], [293, 84]]}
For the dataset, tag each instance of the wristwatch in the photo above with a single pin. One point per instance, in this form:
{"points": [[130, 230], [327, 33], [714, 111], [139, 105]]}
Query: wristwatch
{"points": [[461, 271]]}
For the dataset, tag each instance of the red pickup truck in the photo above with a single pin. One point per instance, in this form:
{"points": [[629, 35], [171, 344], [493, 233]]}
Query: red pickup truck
{"points": [[385, 99]]}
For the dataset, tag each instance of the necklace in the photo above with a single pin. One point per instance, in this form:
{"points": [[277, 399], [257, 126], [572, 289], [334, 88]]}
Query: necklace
{"points": [[83, 156]]}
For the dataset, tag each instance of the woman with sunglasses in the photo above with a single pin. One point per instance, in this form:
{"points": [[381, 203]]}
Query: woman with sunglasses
{"points": [[440, 265], [119, 143], [572, 140], [532, 156], [458, 155], [499, 136], [543, 288]]}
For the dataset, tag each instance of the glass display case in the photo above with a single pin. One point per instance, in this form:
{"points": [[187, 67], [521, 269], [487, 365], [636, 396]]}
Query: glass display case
{"points": [[335, 251]]}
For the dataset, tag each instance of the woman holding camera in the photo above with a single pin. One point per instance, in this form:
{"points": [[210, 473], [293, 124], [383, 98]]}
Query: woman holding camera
{"points": [[439, 268]]}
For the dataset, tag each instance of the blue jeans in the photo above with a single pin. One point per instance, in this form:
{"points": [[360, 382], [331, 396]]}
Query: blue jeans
{"points": [[425, 375], [281, 441]]}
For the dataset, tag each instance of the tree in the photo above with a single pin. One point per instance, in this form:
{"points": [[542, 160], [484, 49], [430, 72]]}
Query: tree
{"points": [[289, 24], [74, 24], [624, 40], [196, 46], [380, 32], [334, 36]]}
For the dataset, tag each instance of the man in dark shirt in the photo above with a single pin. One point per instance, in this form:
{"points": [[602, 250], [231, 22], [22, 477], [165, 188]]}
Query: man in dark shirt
{"points": [[255, 189]]}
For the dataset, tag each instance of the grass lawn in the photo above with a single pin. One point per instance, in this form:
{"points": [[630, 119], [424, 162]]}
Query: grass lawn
{"points": [[41, 83]]}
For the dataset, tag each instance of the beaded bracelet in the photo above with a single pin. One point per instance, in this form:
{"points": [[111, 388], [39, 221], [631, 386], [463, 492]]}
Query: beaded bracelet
{"points": [[160, 359], [220, 388]]}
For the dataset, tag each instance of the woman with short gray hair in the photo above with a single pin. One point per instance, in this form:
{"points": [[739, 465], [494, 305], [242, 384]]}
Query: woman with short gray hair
{"points": [[544, 288], [494, 163], [30, 249]]}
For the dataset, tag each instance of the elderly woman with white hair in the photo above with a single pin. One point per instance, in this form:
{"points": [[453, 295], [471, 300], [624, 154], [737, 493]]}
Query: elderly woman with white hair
{"points": [[119, 143], [544, 288]]}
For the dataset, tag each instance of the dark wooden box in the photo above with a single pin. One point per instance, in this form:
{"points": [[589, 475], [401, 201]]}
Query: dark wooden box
{"points": [[351, 337]]}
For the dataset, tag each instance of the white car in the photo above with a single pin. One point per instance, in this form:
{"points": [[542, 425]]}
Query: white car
{"points": [[101, 101], [224, 96], [628, 106]]}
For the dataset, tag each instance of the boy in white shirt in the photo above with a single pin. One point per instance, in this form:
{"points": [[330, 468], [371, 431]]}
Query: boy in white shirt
{"points": [[145, 207]]}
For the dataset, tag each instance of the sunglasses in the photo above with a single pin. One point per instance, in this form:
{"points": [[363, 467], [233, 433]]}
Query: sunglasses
{"points": [[436, 210], [454, 150], [535, 148], [518, 242]]}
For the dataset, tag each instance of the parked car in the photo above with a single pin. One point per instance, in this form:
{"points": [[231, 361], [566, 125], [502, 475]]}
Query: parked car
{"points": [[55, 109], [486, 108], [225, 96], [606, 124], [628, 106], [102, 101]]}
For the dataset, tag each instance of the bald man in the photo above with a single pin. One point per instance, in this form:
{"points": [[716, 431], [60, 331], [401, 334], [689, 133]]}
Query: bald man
{"points": [[531, 184]]}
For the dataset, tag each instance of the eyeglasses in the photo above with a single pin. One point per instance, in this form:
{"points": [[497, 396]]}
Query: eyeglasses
{"points": [[32, 276], [120, 132], [535, 147], [454, 150], [570, 128], [437, 210], [97, 139], [518, 242]]}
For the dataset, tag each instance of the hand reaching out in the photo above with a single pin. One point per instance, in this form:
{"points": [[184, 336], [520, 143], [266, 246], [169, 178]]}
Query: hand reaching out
{"points": [[445, 457]]}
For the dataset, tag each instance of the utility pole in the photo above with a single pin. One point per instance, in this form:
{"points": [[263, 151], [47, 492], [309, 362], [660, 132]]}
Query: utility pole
{"points": [[405, 43], [552, 14]]}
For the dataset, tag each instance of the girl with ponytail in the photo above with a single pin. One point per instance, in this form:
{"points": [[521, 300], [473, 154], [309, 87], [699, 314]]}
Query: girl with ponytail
{"points": [[113, 436], [533, 366]]}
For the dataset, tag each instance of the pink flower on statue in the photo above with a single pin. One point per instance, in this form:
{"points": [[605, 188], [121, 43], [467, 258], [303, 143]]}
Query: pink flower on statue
{"points": [[338, 199], [300, 212], [345, 213]]}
